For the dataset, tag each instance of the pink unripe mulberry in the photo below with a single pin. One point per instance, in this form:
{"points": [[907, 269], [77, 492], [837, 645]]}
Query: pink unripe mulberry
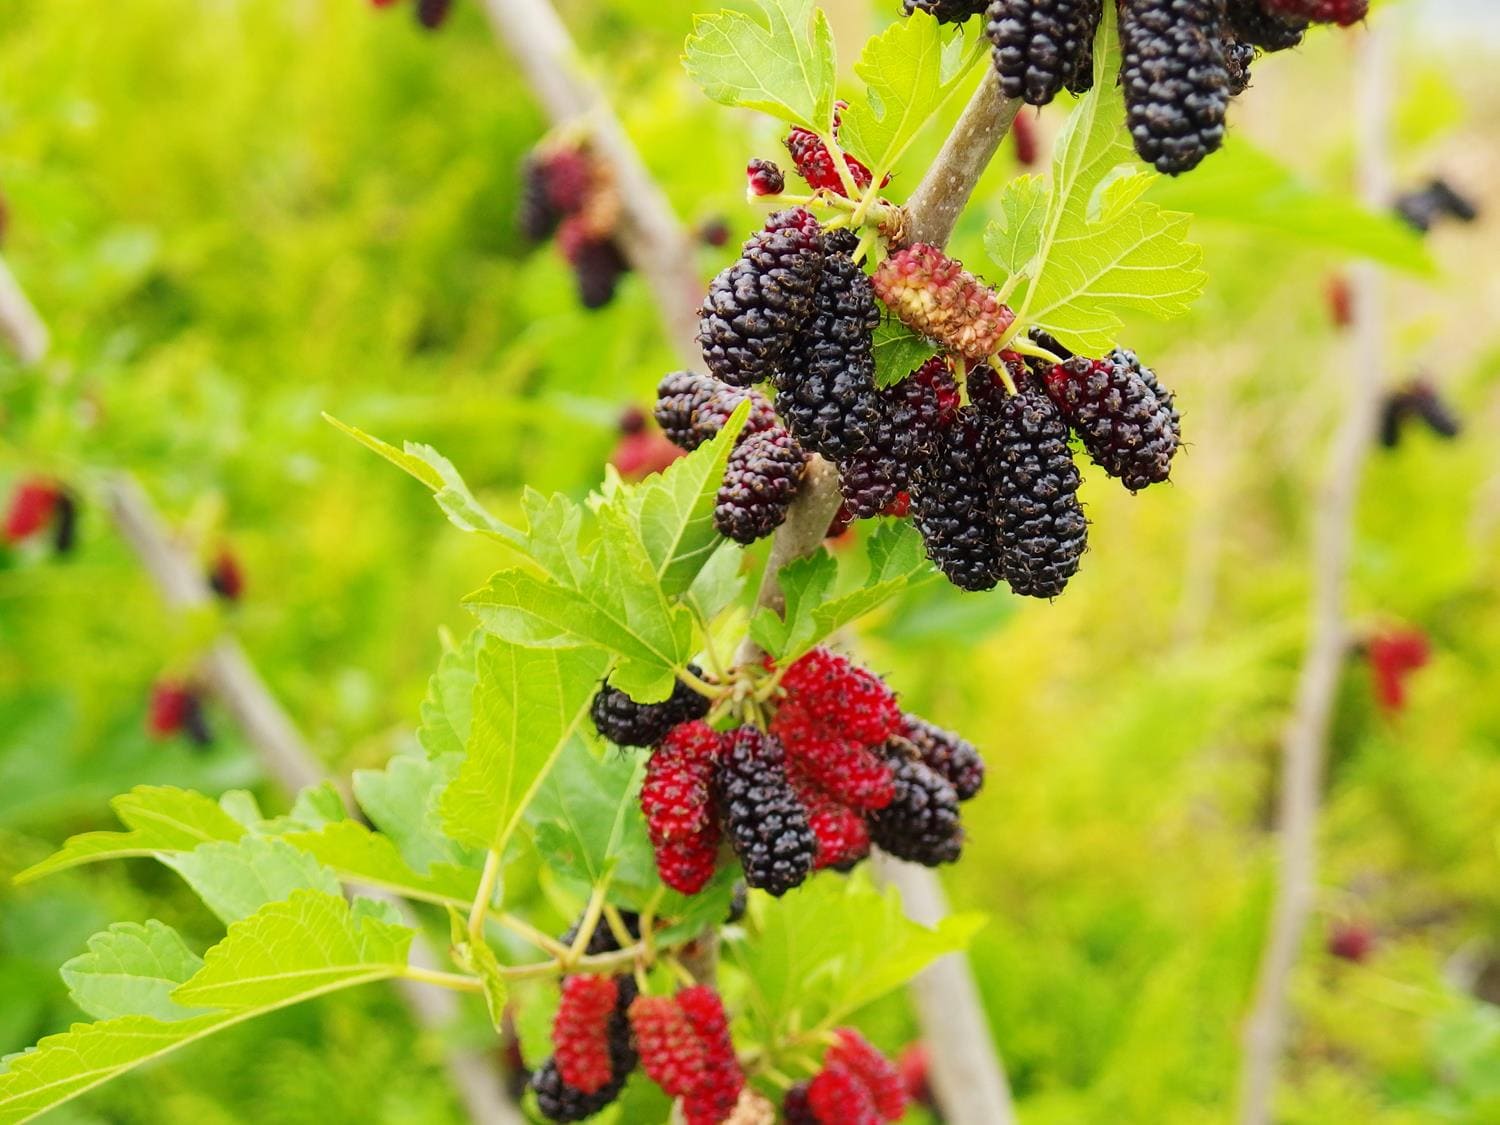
{"points": [[934, 295]]}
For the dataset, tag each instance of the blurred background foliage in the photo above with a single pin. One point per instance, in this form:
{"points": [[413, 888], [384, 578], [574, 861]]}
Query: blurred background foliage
{"points": [[236, 214]]}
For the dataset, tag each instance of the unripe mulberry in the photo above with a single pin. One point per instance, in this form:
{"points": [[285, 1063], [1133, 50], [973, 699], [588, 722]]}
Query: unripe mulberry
{"points": [[691, 408], [1175, 80], [581, 1032], [559, 1101], [1342, 12], [760, 482], [847, 771], [945, 753], [32, 506], [625, 722], [687, 865], [814, 163], [177, 709], [836, 1094], [843, 838], [675, 794], [934, 295], [1123, 416], [1042, 46], [946, 11], [713, 1099], [757, 305], [825, 693], [879, 1075], [765, 822], [671, 1054], [921, 823], [827, 394], [1042, 527], [764, 178], [951, 506], [1253, 24]]}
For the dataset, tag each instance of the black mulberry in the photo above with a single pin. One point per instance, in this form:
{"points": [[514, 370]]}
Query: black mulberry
{"points": [[947, 754], [598, 266], [1175, 79], [760, 482], [625, 722], [921, 824], [951, 505], [1122, 414], [536, 217], [1042, 46], [691, 408], [1252, 24], [946, 11], [558, 1101], [765, 822]]}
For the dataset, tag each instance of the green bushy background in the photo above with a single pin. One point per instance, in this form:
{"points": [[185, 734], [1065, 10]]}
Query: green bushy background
{"points": [[238, 214]]}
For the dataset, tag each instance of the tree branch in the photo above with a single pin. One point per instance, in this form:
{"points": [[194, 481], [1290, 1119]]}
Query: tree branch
{"points": [[1304, 747], [24, 332]]}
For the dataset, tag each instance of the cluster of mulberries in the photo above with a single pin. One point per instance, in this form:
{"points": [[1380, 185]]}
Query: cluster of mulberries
{"points": [[431, 14], [1183, 59], [567, 191], [840, 767], [41, 506], [766, 466], [1438, 199], [857, 1085], [593, 1052], [814, 163], [176, 708], [1419, 399]]}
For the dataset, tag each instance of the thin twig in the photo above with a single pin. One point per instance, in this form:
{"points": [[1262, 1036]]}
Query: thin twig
{"points": [[1305, 746], [24, 331]]}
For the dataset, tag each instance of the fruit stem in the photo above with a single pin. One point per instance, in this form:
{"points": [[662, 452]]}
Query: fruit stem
{"points": [[589, 923], [840, 165], [454, 982], [1024, 346], [701, 686], [482, 896], [545, 942]]}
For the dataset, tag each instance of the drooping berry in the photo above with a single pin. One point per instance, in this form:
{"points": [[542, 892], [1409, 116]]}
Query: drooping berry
{"points": [[226, 578], [713, 1098], [878, 1073], [1122, 414], [760, 482], [946, 11], [598, 266], [568, 176], [757, 305], [558, 1101], [814, 163], [825, 693], [675, 797], [1023, 137], [947, 754], [951, 505], [1252, 23], [934, 295], [625, 722], [827, 393], [687, 865], [432, 14], [870, 481], [765, 822], [1043, 531], [847, 771], [671, 1054], [32, 506], [1175, 80], [581, 1031], [1042, 46], [691, 408], [843, 839], [921, 823], [1394, 654], [836, 1094], [1342, 12], [764, 178]]}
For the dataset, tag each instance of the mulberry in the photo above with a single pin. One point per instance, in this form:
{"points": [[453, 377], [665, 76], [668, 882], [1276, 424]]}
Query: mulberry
{"points": [[1042, 528], [1342, 12], [432, 14], [675, 793], [559, 1101], [796, 1107], [671, 1054], [692, 408], [878, 1074], [843, 839], [1042, 46], [625, 722], [581, 1032], [757, 305], [951, 506], [177, 709], [766, 824], [764, 178], [225, 577], [712, 1099], [933, 294], [536, 217], [598, 266], [836, 1094], [827, 394], [814, 163], [65, 524], [849, 772], [827, 694], [1251, 23], [688, 864], [914, 410], [760, 482], [32, 506], [946, 11], [921, 823], [947, 754], [1121, 413], [1175, 79]]}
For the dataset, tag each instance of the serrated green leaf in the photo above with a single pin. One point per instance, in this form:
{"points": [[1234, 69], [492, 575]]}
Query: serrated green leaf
{"points": [[445, 710], [579, 817], [402, 802], [1013, 238], [526, 705], [482, 961], [899, 351], [158, 818], [555, 536], [318, 805], [719, 583], [357, 855], [783, 65], [234, 880], [805, 583], [910, 70], [131, 970]]}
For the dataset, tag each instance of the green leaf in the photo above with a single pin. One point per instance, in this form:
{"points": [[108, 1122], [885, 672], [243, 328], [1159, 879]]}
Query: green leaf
{"points": [[131, 970], [445, 711], [481, 961], [899, 351], [526, 705], [158, 818], [308, 944], [579, 816], [402, 801], [1100, 250], [910, 71], [783, 66], [719, 583], [234, 880], [1245, 187], [1013, 239], [805, 583], [357, 855]]}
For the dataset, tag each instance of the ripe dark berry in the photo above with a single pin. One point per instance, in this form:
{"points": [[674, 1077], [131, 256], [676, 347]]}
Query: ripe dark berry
{"points": [[559, 1101], [951, 506], [921, 823], [581, 1033], [713, 1098], [827, 395], [1253, 24], [947, 754], [65, 523], [935, 296], [602, 939], [946, 11], [1123, 416], [764, 178], [1042, 528], [796, 1108], [692, 408], [598, 266], [675, 794], [1042, 46], [765, 822], [1342, 12], [814, 163], [535, 217], [431, 14], [225, 577], [671, 1054], [625, 722], [756, 306], [878, 1074], [760, 482], [1175, 79]]}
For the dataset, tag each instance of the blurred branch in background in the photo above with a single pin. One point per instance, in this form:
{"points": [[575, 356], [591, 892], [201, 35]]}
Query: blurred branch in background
{"points": [[25, 333], [1305, 749]]}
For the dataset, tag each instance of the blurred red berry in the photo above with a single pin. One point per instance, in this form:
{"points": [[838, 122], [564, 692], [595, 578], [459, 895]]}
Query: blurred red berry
{"points": [[176, 709], [1023, 132], [713, 232], [913, 1067], [1351, 941], [32, 506], [1394, 655], [1340, 301], [764, 177], [641, 454], [225, 577]]}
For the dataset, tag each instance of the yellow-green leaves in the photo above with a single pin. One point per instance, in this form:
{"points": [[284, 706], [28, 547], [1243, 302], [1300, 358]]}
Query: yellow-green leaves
{"points": [[782, 64]]}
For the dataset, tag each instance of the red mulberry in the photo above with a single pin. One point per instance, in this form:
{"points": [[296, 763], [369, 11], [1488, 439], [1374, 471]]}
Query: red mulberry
{"points": [[760, 482], [671, 1054], [713, 1099], [1342, 12], [878, 1073], [934, 295], [764, 178], [765, 822], [1124, 417], [32, 506], [814, 163], [177, 709], [843, 839], [688, 864], [675, 793], [828, 693], [836, 1094], [580, 1031]]}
